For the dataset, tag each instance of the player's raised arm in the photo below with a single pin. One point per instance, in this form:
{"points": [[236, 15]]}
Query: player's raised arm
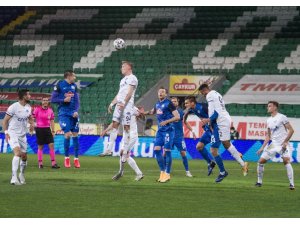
{"points": [[175, 117], [114, 101], [55, 96], [150, 112]]}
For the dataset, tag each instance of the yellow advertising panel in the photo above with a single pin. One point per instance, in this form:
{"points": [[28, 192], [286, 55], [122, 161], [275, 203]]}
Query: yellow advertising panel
{"points": [[187, 85]]}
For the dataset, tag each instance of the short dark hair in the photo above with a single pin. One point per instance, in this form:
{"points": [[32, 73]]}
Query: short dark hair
{"points": [[191, 98], [128, 63], [203, 86], [274, 103], [22, 93], [175, 97], [68, 73], [161, 87]]}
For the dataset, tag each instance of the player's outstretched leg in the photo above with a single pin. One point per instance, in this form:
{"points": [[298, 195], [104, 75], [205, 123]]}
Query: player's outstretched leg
{"points": [[67, 163], [290, 172], [134, 166], [237, 156], [15, 166], [112, 139], [204, 152], [160, 162], [223, 173], [168, 166], [23, 165], [122, 161]]}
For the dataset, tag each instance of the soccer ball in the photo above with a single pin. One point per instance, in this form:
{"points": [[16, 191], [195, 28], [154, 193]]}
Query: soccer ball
{"points": [[119, 43]]}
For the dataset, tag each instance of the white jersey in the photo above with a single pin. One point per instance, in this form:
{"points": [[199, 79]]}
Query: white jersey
{"points": [[124, 87], [19, 118], [277, 128], [216, 103]]}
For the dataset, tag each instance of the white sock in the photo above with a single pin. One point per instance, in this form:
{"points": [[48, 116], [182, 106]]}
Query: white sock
{"points": [[23, 165], [133, 139], [112, 139], [126, 140], [235, 154], [122, 164], [134, 166], [15, 165], [290, 173], [260, 172]]}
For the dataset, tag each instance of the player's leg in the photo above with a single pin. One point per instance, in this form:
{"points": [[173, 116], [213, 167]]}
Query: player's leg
{"points": [[261, 168], [75, 129], [159, 142], [108, 151], [65, 124], [39, 139], [224, 134], [40, 156], [215, 144], [203, 141], [23, 161], [131, 162], [289, 169], [14, 144], [168, 143], [181, 147], [52, 156]]}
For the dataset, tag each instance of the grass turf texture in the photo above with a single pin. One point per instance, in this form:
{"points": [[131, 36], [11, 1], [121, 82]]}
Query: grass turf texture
{"points": [[90, 192]]}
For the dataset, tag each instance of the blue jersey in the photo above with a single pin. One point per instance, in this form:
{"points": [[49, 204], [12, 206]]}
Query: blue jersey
{"points": [[178, 124], [163, 110], [200, 110], [62, 90]]}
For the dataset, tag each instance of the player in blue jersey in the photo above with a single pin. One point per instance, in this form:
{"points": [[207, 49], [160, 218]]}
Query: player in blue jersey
{"points": [[166, 114], [200, 110], [179, 142], [66, 96]]}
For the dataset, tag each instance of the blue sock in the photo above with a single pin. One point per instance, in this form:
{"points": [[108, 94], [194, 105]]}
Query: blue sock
{"points": [[165, 160], [67, 146], [76, 146], [185, 163], [219, 162], [204, 153], [168, 161], [160, 160]]}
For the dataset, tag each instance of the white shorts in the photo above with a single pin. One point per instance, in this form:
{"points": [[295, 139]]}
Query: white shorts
{"points": [[18, 141], [123, 117], [224, 128], [271, 150]]}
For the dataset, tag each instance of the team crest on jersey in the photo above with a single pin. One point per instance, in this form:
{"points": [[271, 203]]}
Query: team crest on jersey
{"points": [[73, 87], [159, 111], [69, 94]]}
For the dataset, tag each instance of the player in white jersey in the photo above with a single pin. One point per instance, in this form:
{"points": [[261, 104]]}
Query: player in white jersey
{"points": [[124, 102], [220, 120], [136, 113], [15, 127], [280, 132]]}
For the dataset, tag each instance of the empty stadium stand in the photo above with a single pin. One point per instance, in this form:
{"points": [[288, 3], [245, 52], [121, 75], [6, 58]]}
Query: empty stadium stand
{"points": [[229, 41]]}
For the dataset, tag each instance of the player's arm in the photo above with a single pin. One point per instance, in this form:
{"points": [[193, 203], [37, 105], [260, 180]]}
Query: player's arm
{"points": [[31, 122], [114, 101], [5, 126], [176, 115], [185, 116], [77, 103], [129, 94], [150, 112], [55, 98], [106, 130], [52, 124], [266, 141], [290, 129]]}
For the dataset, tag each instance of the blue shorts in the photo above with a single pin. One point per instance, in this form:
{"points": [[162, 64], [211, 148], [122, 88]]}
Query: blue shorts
{"points": [[206, 137], [215, 138], [179, 143], [165, 138], [69, 123]]}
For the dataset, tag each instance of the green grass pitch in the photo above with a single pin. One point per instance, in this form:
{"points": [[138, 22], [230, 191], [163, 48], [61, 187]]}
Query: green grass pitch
{"points": [[90, 192]]}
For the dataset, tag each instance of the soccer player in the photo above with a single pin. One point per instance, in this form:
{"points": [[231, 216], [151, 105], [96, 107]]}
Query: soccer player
{"points": [[166, 114], [221, 122], [133, 139], [124, 102], [15, 127], [44, 117], [179, 142], [200, 110], [66, 96], [280, 132]]}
